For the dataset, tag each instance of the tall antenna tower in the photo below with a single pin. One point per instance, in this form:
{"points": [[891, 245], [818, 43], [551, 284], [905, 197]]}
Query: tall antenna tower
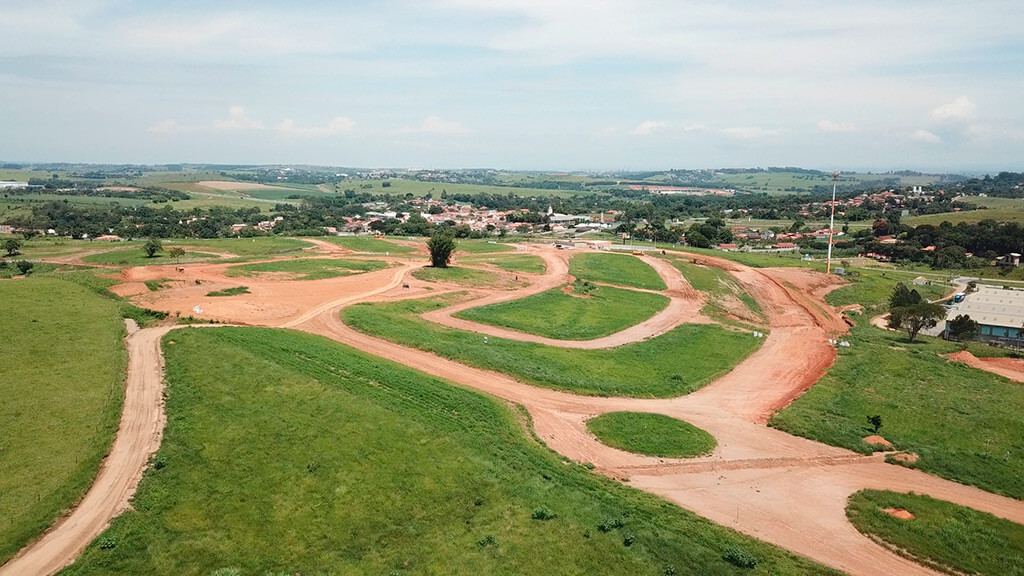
{"points": [[832, 222]]}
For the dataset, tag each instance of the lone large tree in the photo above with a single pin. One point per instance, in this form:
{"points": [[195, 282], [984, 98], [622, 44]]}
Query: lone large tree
{"points": [[441, 247], [12, 246], [152, 247], [915, 317]]}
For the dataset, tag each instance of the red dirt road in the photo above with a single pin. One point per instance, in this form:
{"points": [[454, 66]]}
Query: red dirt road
{"points": [[1006, 367], [786, 490]]}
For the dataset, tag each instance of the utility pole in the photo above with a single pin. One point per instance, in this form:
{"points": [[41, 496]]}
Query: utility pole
{"points": [[832, 222]]}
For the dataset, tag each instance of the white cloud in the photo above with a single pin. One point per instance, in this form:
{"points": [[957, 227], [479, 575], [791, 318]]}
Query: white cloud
{"points": [[436, 125], [165, 127], [925, 137], [237, 120], [960, 109], [648, 127], [749, 132], [845, 127], [338, 125]]}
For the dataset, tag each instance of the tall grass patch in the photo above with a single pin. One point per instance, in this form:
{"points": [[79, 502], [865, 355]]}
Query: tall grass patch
{"points": [[651, 434]]}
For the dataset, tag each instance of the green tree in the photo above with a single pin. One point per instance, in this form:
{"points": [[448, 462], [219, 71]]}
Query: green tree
{"points": [[963, 328], [697, 240], [12, 246], [441, 247], [903, 296], [151, 247], [176, 252], [24, 266], [915, 317]]}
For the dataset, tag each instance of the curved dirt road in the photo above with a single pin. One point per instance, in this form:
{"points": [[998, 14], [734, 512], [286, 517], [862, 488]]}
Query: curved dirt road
{"points": [[138, 437], [779, 488]]}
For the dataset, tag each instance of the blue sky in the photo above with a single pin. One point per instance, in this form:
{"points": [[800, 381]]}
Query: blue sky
{"points": [[520, 84]]}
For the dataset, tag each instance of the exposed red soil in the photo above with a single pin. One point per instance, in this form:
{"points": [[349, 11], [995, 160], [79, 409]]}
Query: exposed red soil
{"points": [[1011, 368], [786, 490], [899, 513], [877, 440]]}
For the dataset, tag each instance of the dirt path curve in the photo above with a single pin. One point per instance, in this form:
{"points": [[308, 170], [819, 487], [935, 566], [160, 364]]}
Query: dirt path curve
{"points": [[684, 306], [783, 489], [138, 437], [1006, 367]]}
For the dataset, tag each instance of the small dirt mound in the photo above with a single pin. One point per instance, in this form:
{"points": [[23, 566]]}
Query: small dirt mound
{"points": [[899, 513], [905, 457], [877, 440]]}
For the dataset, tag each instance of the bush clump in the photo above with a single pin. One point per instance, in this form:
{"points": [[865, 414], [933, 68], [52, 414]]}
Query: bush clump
{"points": [[739, 558], [542, 513]]}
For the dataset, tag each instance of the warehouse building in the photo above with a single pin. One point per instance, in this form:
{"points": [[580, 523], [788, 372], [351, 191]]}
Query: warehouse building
{"points": [[998, 311]]}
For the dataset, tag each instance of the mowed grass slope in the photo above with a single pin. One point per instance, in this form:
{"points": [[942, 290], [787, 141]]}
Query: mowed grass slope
{"points": [[61, 374], [619, 269], [286, 453], [677, 362], [564, 315], [309, 268], [456, 275], [944, 535]]}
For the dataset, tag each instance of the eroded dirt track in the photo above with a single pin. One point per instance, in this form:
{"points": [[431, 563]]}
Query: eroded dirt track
{"points": [[786, 490]]}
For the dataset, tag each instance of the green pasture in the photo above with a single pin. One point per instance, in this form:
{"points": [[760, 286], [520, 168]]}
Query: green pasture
{"points": [[528, 263], [651, 434], [943, 535], [308, 268], [482, 247], [470, 277], [368, 244], [563, 315], [619, 269], [63, 363], [286, 453], [672, 364]]}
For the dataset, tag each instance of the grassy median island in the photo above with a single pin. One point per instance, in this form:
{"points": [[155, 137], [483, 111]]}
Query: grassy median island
{"points": [[941, 534], [456, 275], [620, 269], [651, 434], [572, 312], [529, 263], [136, 257], [371, 245], [677, 362], [309, 268], [62, 368], [287, 453]]}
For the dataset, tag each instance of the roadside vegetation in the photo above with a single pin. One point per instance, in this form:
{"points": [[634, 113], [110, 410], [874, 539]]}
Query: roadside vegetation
{"points": [[234, 291], [618, 269], [137, 257], [286, 453], [571, 312], [941, 534], [651, 434], [62, 364], [457, 275], [308, 268], [512, 262], [675, 363]]}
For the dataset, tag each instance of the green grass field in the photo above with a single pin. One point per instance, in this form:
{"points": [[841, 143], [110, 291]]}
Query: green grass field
{"points": [[651, 434], [482, 247], [763, 260], [619, 269], [965, 424], [672, 364], [402, 187], [457, 275], [136, 257], [63, 363], [309, 268], [948, 537], [368, 244], [557, 314], [999, 209], [512, 262], [286, 453]]}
